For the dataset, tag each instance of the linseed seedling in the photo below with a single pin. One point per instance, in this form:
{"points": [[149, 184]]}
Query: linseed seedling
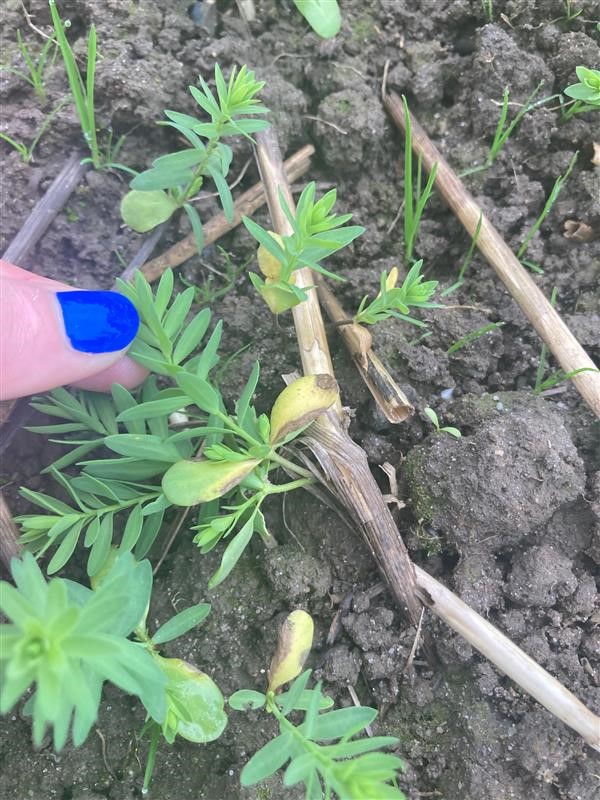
{"points": [[322, 752], [68, 640], [585, 94], [415, 196], [36, 65], [552, 198], [316, 234], [396, 301], [176, 178], [429, 412]]}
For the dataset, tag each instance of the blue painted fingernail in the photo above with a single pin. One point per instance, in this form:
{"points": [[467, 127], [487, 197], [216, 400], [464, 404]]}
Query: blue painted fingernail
{"points": [[98, 322]]}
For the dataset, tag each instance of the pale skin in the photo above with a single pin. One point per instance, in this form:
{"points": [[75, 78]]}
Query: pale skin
{"points": [[35, 353]]}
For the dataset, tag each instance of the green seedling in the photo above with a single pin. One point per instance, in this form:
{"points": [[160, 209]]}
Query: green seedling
{"points": [[82, 92], [504, 130], [436, 423], [323, 16], [415, 197], [24, 150], [175, 179], [471, 337], [36, 65], [552, 198], [317, 234], [559, 376], [467, 262], [396, 301], [322, 752], [68, 640], [153, 465], [585, 93]]}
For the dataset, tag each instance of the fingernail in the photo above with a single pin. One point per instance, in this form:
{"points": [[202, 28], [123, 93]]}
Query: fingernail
{"points": [[98, 322]]}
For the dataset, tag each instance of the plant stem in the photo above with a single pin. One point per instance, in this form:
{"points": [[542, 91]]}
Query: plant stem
{"points": [[292, 467]]}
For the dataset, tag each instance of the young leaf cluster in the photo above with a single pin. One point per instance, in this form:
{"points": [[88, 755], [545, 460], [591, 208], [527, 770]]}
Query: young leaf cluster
{"points": [[317, 234], [433, 417], [585, 93], [68, 639], [174, 179], [396, 301], [322, 752]]}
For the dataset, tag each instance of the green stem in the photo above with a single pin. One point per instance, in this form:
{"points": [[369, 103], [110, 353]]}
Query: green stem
{"points": [[233, 426], [284, 462], [193, 185], [280, 488]]}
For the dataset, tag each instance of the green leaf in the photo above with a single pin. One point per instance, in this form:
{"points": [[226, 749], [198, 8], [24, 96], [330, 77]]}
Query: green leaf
{"points": [[150, 530], [175, 316], [181, 623], [224, 192], [300, 768], [182, 159], [196, 224], [232, 553], [153, 179], [45, 501], [101, 547], [343, 722], [188, 483], [358, 746], [143, 211], [267, 761], [133, 528], [264, 237], [201, 392], [247, 700], [155, 408], [144, 446], [66, 548], [192, 336], [245, 398], [195, 703]]}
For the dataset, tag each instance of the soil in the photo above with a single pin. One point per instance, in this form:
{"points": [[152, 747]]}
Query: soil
{"points": [[508, 516]]}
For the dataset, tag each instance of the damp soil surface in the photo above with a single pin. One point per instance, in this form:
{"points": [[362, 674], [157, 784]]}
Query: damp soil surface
{"points": [[508, 516]]}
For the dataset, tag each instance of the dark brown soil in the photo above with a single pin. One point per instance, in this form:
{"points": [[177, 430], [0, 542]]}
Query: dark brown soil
{"points": [[508, 516]]}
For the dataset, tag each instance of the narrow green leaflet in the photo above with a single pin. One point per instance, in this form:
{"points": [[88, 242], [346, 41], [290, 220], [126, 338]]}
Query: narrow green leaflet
{"points": [[268, 760], [181, 623]]}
